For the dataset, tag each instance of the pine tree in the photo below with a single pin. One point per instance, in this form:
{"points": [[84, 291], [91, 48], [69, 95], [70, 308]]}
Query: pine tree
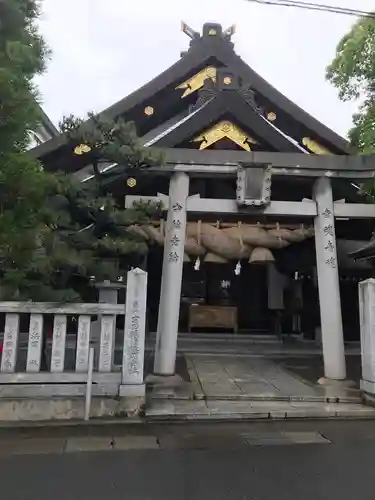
{"points": [[87, 234], [55, 232], [23, 186]]}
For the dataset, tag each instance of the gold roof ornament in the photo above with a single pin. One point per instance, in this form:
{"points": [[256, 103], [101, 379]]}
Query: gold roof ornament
{"points": [[271, 116], [212, 32], [149, 110], [315, 147], [131, 182], [196, 82], [225, 129], [82, 149], [227, 80]]}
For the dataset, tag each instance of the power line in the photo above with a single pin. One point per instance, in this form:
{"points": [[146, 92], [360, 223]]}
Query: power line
{"points": [[316, 7]]}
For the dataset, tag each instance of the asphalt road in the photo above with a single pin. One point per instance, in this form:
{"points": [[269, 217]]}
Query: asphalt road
{"points": [[205, 462]]}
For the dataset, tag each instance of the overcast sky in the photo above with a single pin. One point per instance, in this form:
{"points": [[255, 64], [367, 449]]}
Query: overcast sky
{"points": [[103, 50]]}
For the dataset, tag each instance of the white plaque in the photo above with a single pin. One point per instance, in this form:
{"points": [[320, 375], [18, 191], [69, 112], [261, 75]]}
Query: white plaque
{"points": [[83, 343], [34, 350], [135, 325], [10, 344], [58, 343], [107, 343]]}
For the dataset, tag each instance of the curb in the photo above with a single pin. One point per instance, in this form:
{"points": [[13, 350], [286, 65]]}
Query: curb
{"points": [[256, 417], [56, 424]]}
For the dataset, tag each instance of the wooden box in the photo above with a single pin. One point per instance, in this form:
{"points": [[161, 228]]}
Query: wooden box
{"points": [[202, 316]]}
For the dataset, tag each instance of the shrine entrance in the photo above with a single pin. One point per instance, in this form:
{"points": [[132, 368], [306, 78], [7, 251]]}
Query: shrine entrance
{"points": [[238, 296], [216, 299], [239, 293]]}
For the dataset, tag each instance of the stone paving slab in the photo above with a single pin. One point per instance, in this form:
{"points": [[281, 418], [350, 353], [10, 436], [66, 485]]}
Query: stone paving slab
{"points": [[136, 443], [89, 443], [31, 446], [284, 438], [212, 438], [201, 442], [234, 378], [75, 444], [185, 409], [306, 437]]}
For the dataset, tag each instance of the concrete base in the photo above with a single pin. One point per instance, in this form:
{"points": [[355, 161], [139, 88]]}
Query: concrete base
{"points": [[368, 399], [165, 381], [138, 390], [368, 387], [338, 389], [34, 410], [328, 382]]}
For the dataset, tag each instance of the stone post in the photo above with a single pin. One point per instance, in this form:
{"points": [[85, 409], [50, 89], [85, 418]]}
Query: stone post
{"points": [[108, 294], [132, 383], [170, 295], [366, 291], [328, 282]]}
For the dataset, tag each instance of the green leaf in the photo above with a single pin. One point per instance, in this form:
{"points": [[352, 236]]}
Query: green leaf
{"points": [[352, 72]]}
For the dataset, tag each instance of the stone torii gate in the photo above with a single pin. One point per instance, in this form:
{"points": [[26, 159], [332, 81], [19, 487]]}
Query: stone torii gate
{"points": [[181, 164]]}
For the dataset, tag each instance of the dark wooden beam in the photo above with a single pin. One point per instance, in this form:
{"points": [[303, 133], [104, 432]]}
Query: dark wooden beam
{"points": [[289, 161]]}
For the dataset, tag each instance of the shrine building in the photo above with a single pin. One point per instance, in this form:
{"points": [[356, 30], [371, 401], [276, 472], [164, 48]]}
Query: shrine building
{"points": [[261, 205]]}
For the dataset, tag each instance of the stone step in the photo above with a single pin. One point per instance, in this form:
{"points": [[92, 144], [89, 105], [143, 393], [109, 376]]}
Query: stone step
{"points": [[235, 410], [227, 337]]}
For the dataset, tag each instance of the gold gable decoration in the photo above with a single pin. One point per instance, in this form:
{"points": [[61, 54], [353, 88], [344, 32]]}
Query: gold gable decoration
{"points": [[82, 149], [196, 82], [315, 147], [225, 129]]}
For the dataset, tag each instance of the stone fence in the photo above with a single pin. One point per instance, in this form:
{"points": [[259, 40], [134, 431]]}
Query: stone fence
{"points": [[26, 372]]}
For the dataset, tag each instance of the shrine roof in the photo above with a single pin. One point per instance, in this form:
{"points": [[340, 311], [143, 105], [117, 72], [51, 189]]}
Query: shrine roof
{"points": [[168, 98], [366, 252], [223, 104], [46, 122]]}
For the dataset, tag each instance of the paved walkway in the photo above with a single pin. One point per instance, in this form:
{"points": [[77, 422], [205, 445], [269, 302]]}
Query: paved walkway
{"points": [[256, 379], [233, 387], [232, 377]]}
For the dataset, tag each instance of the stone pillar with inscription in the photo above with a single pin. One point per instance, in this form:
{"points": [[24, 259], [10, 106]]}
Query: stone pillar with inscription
{"points": [[108, 294], [328, 282], [132, 383], [170, 295]]}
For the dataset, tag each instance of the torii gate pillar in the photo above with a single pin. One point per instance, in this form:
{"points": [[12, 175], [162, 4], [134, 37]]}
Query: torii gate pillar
{"points": [[170, 295]]}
